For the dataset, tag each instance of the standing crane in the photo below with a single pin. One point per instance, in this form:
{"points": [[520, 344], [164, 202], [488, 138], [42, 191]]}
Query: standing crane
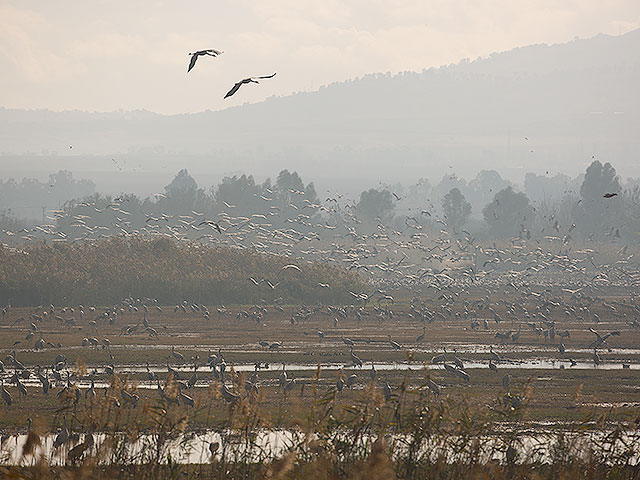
{"points": [[6, 396]]}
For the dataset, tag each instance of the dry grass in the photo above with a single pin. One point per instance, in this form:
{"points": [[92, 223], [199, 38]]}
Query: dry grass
{"points": [[411, 435]]}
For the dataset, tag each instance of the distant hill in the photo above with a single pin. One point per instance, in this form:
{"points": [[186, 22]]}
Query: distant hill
{"points": [[569, 100]]}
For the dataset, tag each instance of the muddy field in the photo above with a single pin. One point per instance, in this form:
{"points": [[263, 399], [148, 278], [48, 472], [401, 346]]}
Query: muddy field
{"points": [[565, 386]]}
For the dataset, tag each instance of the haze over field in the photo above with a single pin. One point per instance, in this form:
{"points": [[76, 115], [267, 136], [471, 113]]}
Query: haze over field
{"points": [[360, 91], [374, 239]]}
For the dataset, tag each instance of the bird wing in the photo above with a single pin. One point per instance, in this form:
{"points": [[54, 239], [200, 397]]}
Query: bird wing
{"points": [[266, 76], [213, 52], [234, 89], [287, 267], [192, 63]]}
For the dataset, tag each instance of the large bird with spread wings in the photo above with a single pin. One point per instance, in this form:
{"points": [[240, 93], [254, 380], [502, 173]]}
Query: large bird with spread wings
{"points": [[237, 86], [194, 56]]}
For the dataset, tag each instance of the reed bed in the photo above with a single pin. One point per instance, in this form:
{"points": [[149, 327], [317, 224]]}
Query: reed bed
{"points": [[103, 272], [410, 434]]}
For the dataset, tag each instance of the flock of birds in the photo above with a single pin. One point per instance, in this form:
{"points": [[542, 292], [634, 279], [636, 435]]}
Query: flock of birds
{"points": [[423, 250], [415, 257], [519, 280], [526, 308], [214, 53]]}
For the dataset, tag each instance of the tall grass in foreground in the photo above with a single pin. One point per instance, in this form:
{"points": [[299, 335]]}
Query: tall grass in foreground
{"points": [[410, 434]]}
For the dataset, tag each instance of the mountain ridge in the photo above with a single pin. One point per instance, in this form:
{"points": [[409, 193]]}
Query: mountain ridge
{"points": [[476, 65], [572, 100]]}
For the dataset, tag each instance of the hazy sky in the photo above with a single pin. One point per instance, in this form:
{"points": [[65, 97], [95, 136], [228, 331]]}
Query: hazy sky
{"points": [[128, 54]]}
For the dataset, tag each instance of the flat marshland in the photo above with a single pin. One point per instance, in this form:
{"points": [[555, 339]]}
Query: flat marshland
{"points": [[113, 375], [452, 293], [131, 367]]}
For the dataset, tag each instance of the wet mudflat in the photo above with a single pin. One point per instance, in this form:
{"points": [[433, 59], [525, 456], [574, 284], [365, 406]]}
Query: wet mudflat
{"points": [[567, 377]]}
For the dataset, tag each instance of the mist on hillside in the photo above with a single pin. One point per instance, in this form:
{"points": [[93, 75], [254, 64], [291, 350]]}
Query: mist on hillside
{"points": [[534, 109]]}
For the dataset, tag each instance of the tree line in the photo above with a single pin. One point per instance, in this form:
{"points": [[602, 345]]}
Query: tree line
{"points": [[488, 206]]}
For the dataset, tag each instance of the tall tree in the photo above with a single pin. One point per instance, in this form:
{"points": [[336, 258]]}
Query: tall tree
{"points": [[596, 215], [181, 183], [242, 195], [598, 180], [456, 208], [183, 195], [375, 204], [509, 213], [481, 189]]}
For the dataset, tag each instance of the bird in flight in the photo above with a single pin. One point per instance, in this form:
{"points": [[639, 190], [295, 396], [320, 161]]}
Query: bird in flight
{"points": [[237, 86], [609, 195], [211, 223], [294, 267], [195, 55]]}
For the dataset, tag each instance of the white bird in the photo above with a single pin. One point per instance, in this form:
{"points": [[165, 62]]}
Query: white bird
{"points": [[292, 266], [186, 399]]}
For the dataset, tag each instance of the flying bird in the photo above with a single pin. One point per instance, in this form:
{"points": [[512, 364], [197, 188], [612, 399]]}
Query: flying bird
{"points": [[294, 267], [609, 195], [211, 223], [195, 55], [237, 86]]}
